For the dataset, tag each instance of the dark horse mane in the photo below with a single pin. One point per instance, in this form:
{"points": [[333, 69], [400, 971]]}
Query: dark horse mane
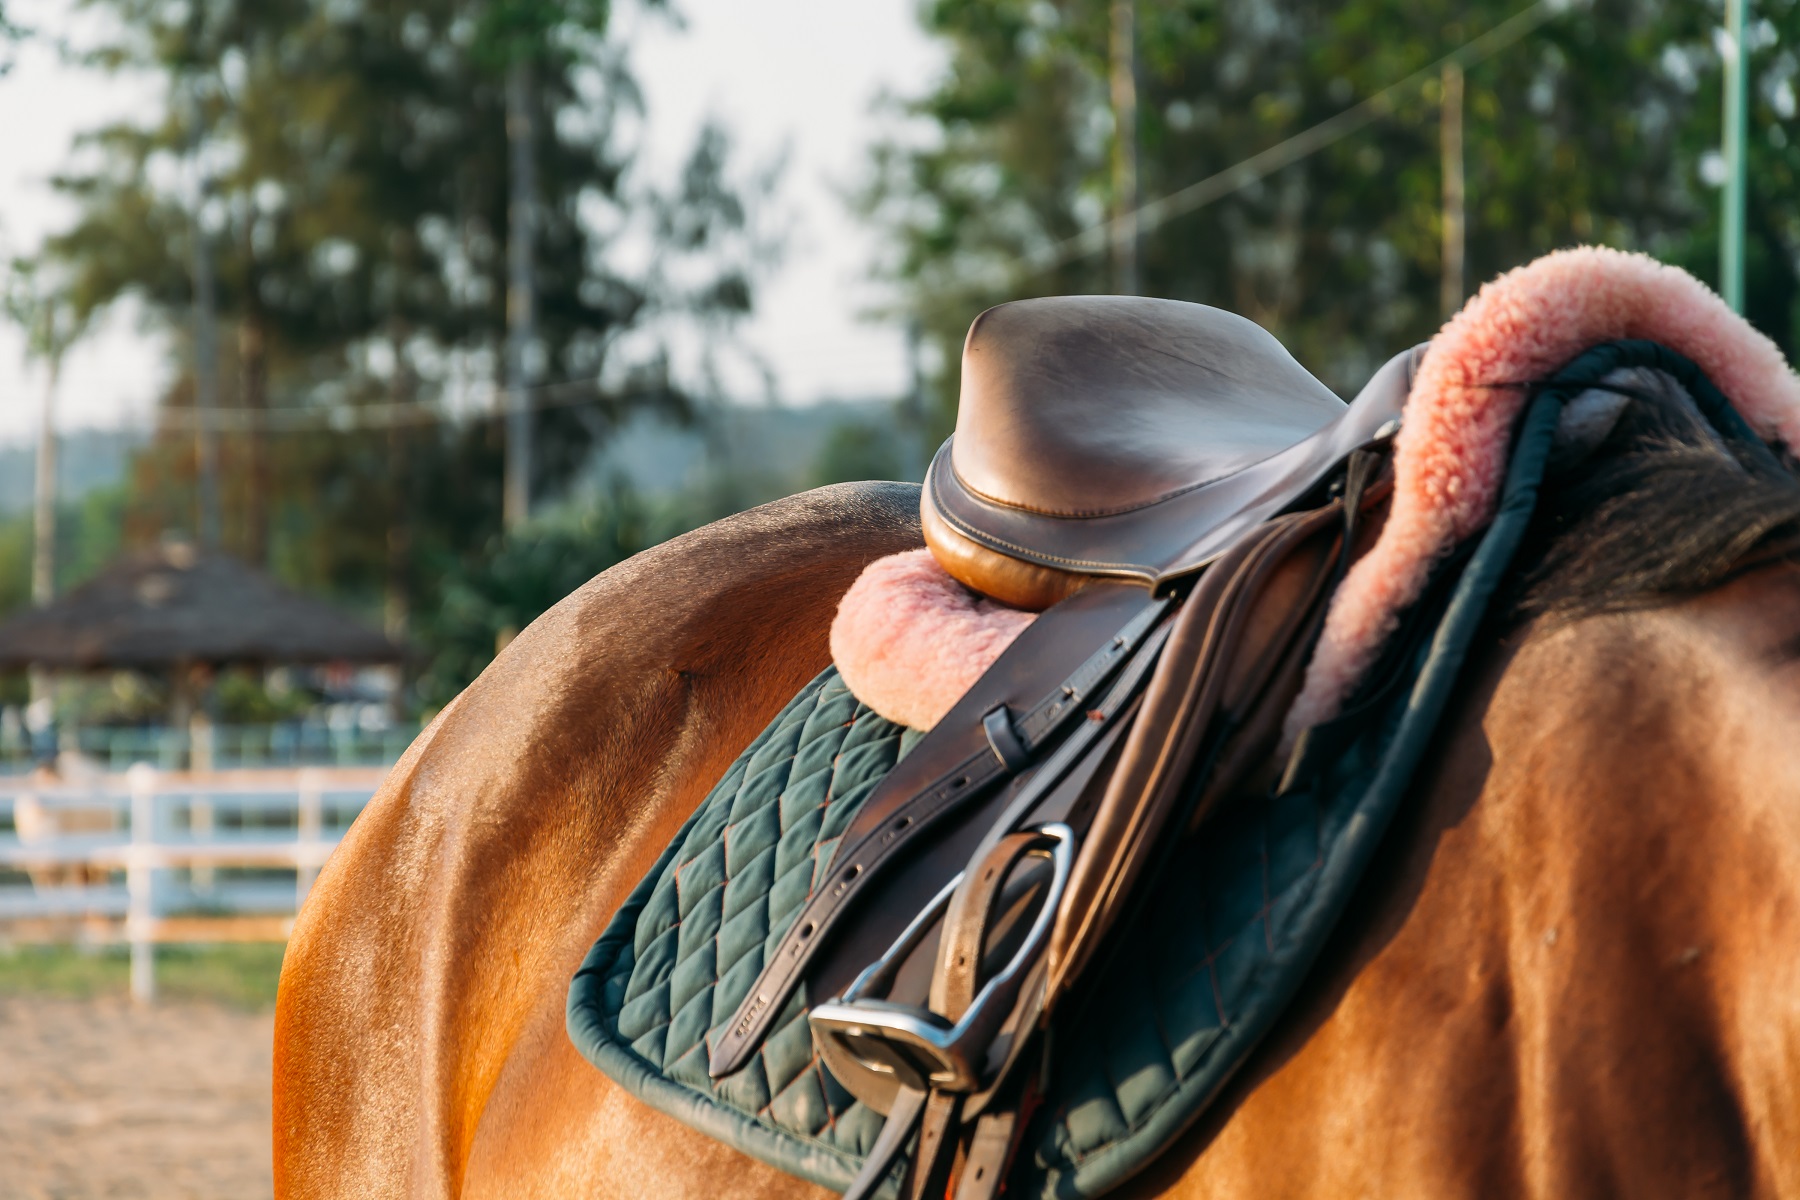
{"points": [[1663, 508]]}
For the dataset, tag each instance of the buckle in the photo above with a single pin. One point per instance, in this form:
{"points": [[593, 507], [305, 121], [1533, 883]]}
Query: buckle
{"points": [[911, 1047]]}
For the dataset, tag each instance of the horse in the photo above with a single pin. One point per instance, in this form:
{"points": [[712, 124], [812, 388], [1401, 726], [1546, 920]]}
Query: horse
{"points": [[1570, 971]]}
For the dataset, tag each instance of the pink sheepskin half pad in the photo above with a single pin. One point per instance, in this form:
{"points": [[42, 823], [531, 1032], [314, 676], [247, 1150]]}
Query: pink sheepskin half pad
{"points": [[1451, 453], [909, 640]]}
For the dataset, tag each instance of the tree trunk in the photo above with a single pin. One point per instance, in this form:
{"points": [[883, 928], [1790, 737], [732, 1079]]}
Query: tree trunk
{"points": [[254, 376], [1731, 196], [1125, 148], [1451, 285], [43, 531], [397, 589], [206, 390], [521, 291]]}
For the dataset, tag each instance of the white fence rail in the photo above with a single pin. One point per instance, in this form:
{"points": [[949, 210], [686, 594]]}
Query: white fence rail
{"points": [[194, 853], [289, 744]]}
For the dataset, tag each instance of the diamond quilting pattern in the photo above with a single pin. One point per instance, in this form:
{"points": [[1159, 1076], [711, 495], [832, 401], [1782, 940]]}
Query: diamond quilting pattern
{"points": [[738, 876]]}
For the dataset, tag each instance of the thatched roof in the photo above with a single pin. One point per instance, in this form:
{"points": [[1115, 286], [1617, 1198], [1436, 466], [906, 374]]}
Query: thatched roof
{"points": [[176, 605]]}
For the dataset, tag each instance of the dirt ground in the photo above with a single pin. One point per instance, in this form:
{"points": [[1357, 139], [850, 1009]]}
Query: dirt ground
{"points": [[101, 1099]]}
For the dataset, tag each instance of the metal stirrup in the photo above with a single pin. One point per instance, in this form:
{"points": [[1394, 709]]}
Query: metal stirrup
{"points": [[923, 1050]]}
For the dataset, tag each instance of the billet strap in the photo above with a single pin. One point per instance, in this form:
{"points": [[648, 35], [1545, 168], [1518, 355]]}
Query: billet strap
{"points": [[966, 923], [870, 846], [938, 1115]]}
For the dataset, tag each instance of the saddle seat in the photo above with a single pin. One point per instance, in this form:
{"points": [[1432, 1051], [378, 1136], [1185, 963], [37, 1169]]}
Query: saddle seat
{"points": [[1130, 438]]}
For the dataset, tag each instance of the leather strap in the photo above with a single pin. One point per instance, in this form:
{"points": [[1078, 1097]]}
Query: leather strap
{"points": [[886, 826], [928, 1174], [963, 946], [1178, 718], [1256, 614], [990, 1149], [902, 1119]]}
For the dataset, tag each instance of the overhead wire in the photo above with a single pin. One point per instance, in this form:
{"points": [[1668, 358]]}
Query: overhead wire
{"points": [[1242, 174], [350, 418]]}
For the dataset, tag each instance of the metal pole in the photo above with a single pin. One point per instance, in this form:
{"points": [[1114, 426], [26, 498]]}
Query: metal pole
{"points": [[1125, 148], [1450, 292], [310, 827], [521, 292], [1731, 215]]}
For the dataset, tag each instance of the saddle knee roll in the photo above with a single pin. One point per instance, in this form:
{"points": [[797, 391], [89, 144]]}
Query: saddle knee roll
{"points": [[1011, 581]]}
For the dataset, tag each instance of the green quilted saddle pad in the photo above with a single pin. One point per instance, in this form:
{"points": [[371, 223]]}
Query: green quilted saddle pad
{"points": [[1203, 971]]}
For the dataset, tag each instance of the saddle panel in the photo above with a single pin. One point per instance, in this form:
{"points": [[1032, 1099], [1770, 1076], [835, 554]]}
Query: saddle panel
{"points": [[1007, 533]]}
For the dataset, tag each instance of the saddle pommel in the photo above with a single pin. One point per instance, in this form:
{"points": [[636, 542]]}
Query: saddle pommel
{"points": [[1089, 427]]}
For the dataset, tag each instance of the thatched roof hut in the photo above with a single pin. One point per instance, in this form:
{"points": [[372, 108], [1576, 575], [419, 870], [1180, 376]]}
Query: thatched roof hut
{"points": [[175, 605]]}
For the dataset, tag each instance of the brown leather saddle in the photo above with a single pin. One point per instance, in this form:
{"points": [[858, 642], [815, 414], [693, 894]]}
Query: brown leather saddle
{"points": [[1179, 496], [1128, 438]]}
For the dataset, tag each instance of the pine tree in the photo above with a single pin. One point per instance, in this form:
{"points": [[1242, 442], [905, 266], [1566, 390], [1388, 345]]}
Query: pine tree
{"points": [[357, 210], [1593, 128]]}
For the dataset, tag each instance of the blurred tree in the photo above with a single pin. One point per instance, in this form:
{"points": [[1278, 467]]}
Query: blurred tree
{"points": [[347, 164], [856, 450], [50, 326], [518, 37], [487, 599], [1595, 128], [10, 35]]}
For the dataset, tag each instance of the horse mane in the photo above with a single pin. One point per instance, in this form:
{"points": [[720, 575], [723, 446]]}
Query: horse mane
{"points": [[1662, 509]]}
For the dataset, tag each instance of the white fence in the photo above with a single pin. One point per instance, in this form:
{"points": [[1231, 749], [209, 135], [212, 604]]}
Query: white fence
{"points": [[148, 856], [286, 744]]}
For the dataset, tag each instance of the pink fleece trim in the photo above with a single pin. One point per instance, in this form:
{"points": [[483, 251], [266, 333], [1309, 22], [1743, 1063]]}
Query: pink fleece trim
{"points": [[909, 640], [1450, 456]]}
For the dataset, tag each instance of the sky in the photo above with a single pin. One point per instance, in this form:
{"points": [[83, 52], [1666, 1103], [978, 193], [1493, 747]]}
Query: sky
{"points": [[788, 77]]}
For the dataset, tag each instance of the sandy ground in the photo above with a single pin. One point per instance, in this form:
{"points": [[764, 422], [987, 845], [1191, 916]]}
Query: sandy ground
{"points": [[100, 1099]]}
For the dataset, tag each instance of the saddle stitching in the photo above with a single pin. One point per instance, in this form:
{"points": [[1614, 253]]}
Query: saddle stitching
{"points": [[1035, 556], [1077, 514]]}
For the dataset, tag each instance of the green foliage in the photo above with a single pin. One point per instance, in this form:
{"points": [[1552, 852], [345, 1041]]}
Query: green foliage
{"points": [[344, 166], [121, 698], [856, 451], [10, 35], [515, 31], [356, 205], [484, 600], [1589, 130], [49, 322], [15, 561], [88, 535], [241, 697]]}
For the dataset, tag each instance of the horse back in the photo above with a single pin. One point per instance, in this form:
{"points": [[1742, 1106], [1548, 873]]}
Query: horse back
{"points": [[440, 938]]}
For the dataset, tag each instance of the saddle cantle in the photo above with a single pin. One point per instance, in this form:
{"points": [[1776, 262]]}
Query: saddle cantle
{"points": [[1130, 438]]}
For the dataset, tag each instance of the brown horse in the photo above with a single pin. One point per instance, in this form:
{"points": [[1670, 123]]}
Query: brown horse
{"points": [[1574, 971]]}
